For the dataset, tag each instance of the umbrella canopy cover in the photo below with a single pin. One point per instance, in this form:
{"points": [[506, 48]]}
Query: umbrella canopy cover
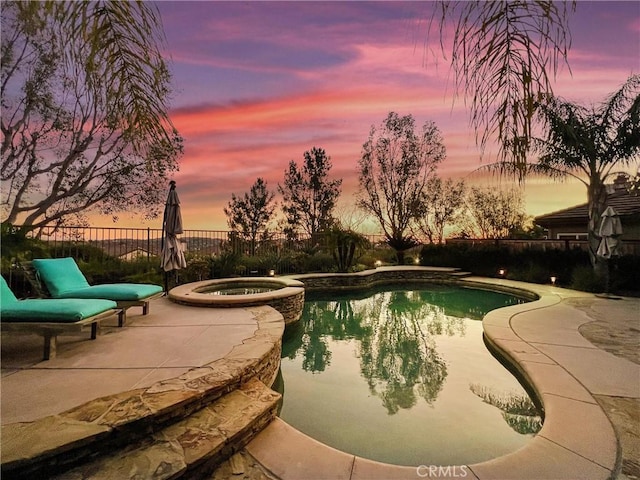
{"points": [[609, 231], [172, 252], [172, 213]]}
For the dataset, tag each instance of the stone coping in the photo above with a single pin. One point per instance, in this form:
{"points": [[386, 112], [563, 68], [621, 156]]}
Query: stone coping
{"points": [[577, 439], [109, 422], [378, 276], [191, 293]]}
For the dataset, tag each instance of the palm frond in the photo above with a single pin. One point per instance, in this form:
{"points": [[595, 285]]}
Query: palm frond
{"points": [[503, 56]]}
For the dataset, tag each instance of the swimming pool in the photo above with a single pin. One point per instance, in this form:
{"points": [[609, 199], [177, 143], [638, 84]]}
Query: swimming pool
{"points": [[402, 376]]}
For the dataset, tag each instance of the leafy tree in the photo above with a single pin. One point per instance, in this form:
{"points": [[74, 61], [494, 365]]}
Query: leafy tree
{"points": [[250, 214], [442, 205], [502, 55], [309, 197], [84, 110], [393, 172], [492, 213], [590, 143]]}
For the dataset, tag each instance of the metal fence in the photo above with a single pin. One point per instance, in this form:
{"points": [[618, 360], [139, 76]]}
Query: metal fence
{"points": [[277, 250], [136, 243], [132, 244]]}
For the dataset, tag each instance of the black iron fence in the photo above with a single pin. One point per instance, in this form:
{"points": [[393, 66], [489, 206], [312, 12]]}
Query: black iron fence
{"points": [[139, 243], [135, 244]]}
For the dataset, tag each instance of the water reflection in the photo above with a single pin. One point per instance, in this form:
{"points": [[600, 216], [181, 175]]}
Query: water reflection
{"points": [[395, 337], [517, 410]]}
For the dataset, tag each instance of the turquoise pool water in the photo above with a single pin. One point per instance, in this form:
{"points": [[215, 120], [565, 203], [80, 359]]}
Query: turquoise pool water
{"points": [[403, 376]]}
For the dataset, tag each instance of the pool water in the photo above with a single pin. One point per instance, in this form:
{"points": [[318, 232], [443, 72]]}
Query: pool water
{"points": [[240, 290], [403, 376]]}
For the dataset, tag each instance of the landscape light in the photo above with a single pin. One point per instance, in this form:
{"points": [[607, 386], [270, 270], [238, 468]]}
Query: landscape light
{"points": [[378, 263], [553, 280], [502, 272], [272, 273]]}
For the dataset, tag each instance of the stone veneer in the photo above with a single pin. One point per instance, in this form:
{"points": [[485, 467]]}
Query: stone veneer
{"points": [[56, 443], [288, 299], [379, 276]]}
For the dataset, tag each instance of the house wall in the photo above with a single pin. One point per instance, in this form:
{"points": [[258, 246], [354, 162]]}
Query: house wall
{"points": [[630, 228]]}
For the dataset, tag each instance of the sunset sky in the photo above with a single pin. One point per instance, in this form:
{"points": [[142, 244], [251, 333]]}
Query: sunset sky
{"points": [[256, 84]]}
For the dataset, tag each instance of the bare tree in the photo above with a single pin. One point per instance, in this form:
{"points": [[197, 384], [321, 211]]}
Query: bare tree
{"points": [[442, 204], [493, 213], [394, 169], [84, 110]]}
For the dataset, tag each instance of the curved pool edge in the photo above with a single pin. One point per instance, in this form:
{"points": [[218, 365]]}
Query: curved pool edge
{"points": [[288, 299], [577, 439]]}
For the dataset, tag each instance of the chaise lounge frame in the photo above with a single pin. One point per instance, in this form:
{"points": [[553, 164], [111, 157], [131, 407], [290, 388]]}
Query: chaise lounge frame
{"points": [[51, 330]]}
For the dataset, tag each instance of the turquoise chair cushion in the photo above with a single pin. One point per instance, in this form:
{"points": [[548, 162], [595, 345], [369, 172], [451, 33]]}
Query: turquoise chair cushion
{"points": [[6, 295], [60, 275], [48, 310], [120, 292], [64, 279], [62, 310]]}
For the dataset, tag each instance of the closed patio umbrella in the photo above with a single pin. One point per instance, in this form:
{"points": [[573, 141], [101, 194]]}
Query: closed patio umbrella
{"points": [[609, 232], [172, 256]]}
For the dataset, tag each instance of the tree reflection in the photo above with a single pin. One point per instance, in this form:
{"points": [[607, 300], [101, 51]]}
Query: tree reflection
{"points": [[394, 332], [399, 360], [322, 319], [517, 410]]}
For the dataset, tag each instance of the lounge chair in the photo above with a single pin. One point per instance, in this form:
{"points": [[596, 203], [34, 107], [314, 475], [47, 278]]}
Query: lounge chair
{"points": [[50, 317], [63, 279]]}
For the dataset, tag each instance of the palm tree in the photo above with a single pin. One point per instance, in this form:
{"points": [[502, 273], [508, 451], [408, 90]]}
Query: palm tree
{"points": [[503, 55], [590, 144]]}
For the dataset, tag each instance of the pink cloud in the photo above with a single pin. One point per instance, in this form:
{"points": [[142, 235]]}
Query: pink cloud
{"points": [[259, 83]]}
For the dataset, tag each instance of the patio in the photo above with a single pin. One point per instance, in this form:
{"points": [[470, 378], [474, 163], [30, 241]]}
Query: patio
{"points": [[576, 380]]}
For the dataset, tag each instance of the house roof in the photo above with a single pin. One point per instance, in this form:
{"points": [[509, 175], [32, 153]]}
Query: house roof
{"points": [[620, 200]]}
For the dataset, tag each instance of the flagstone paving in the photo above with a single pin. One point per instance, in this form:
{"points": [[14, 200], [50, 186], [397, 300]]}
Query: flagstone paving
{"points": [[616, 329]]}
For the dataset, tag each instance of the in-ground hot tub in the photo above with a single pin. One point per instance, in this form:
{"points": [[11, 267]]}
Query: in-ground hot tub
{"points": [[283, 294]]}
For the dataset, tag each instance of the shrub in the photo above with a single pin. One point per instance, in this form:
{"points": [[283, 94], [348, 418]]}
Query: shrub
{"points": [[571, 267], [585, 279]]}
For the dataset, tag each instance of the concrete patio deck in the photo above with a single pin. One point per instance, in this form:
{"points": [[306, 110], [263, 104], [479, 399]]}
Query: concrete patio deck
{"points": [[542, 340], [164, 344], [572, 376]]}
